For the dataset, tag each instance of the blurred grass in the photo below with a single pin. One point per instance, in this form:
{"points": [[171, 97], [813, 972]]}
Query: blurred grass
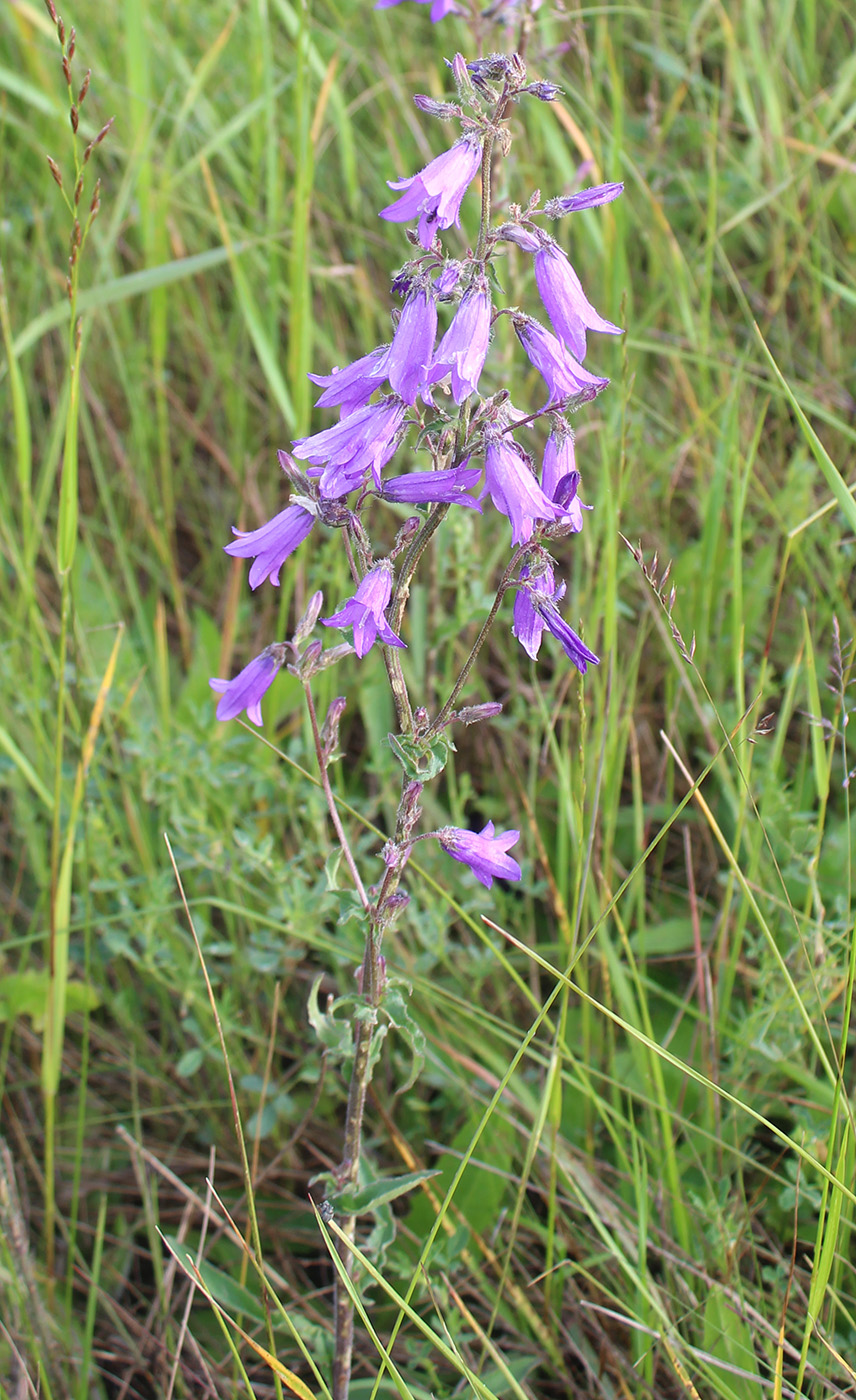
{"points": [[644, 1126]]}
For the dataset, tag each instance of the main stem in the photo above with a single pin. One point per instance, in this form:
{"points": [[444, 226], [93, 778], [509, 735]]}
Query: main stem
{"points": [[348, 1172]]}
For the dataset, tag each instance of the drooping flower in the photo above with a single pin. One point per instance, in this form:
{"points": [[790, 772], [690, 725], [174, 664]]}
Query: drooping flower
{"points": [[406, 361], [439, 8], [434, 195], [564, 376], [513, 488], [565, 302], [559, 476], [362, 442], [418, 488], [246, 690], [365, 611], [463, 349], [528, 625], [572, 645], [271, 544], [583, 199], [352, 386], [484, 852]]}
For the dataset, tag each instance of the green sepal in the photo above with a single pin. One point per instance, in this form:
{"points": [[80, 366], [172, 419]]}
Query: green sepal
{"points": [[421, 761]]}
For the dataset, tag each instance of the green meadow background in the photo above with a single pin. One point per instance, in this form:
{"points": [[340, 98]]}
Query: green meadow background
{"points": [[641, 1101]]}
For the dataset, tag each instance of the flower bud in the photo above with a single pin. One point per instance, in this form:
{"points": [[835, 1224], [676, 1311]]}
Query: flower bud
{"points": [[525, 238], [445, 111], [405, 535], [474, 714], [545, 92], [333, 655], [293, 472], [308, 663], [460, 71], [330, 727], [310, 617]]}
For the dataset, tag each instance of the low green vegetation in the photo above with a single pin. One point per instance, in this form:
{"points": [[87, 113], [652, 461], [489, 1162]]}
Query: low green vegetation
{"points": [[634, 1080]]}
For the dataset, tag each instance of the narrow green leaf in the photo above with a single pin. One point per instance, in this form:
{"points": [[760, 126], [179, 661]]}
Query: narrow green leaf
{"points": [[379, 1193]]}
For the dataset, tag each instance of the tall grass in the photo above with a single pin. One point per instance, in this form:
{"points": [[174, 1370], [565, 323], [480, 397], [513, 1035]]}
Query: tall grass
{"points": [[636, 1083]]}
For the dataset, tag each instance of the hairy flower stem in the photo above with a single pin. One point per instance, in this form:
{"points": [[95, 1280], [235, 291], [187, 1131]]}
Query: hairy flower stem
{"points": [[411, 563], [487, 157], [504, 585], [392, 660], [331, 801]]}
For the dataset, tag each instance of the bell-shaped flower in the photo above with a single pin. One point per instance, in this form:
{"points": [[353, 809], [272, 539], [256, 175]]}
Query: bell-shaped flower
{"points": [[406, 360], [344, 454], [433, 197], [528, 625], [559, 476], [463, 349], [512, 487], [419, 488], [583, 199], [564, 376], [485, 852], [246, 690], [365, 611], [572, 645], [565, 301], [352, 386], [439, 8], [271, 544]]}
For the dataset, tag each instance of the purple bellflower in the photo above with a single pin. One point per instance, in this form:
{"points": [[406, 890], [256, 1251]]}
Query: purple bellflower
{"points": [[583, 199], [246, 690], [564, 376], [418, 488], [485, 853], [559, 476], [352, 386], [463, 349], [434, 195], [270, 546], [363, 441], [572, 645], [406, 361], [439, 8], [513, 488], [528, 625], [365, 612], [565, 301]]}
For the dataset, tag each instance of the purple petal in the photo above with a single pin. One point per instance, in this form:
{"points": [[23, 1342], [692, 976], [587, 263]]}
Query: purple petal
{"points": [[271, 545], [246, 690]]}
